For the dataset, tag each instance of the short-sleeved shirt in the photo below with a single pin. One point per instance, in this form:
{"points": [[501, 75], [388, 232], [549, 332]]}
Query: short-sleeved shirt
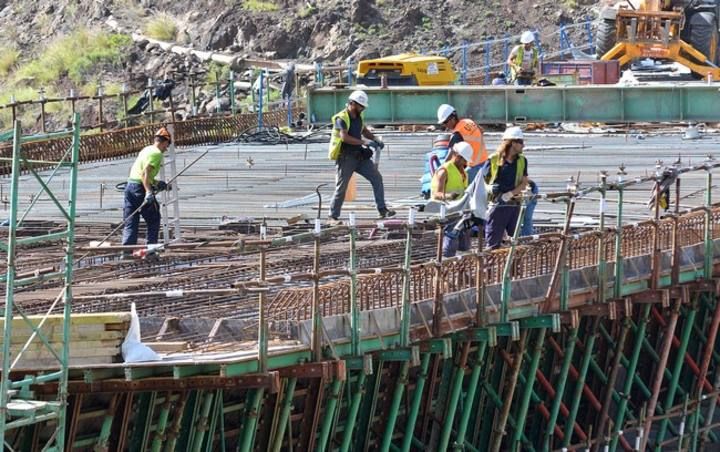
{"points": [[355, 131], [456, 137], [149, 156], [506, 174]]}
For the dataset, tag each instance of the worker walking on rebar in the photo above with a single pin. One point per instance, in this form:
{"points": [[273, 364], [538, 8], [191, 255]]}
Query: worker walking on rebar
{"points": [[464, 130], [350, 147], [448, 184], [141, 188], [505, 173], [523, 60]]}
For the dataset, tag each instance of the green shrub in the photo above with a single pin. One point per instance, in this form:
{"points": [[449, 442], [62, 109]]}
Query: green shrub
{"points": [[161, 27], [8, 60], [260, 6], [76, 55]]}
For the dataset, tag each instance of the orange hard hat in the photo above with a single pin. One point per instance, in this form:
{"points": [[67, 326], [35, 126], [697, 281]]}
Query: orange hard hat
{"points": [[163, 133]]}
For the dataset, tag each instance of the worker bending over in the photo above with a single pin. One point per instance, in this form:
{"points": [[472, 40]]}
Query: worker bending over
{"points": [[523, 60], [140, 191], [448, 184], [464, 130], [505, 173], [350, 145]]}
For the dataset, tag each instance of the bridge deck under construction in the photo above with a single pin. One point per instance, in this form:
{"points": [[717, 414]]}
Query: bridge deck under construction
{"points": [[601, 331]]}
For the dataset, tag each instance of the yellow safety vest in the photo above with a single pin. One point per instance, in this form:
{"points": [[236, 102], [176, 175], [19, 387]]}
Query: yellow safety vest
{"points": [[455, 182], [521, 56], [473, 135], [335, 140], [495, 169]]}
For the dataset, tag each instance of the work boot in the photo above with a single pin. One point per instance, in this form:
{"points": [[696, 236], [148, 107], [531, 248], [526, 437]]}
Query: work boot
{"points": [[386, 213], [334, 221]]}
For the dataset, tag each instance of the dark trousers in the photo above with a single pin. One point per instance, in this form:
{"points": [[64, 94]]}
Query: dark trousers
{"points": [[134, 197], [502, 218], [351, 162], [455, 241]]}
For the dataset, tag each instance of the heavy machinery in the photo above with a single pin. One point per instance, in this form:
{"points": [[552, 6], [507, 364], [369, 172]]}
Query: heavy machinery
{"points": [[685, 31], [407, 69]]}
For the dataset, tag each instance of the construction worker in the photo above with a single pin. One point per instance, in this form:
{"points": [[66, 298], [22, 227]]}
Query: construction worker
{"points": [[141, 188], [464, 130], [523, 60], [350, 145], [448, 184], [505, 173]]}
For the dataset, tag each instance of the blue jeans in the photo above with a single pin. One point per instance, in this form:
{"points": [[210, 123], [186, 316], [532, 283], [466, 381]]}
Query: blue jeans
{"points": [[472, 172], [527, 225], [134, 197], [455, 241], [351, 162]]}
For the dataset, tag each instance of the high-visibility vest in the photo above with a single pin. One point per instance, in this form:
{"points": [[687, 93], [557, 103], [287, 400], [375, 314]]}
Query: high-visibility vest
{"points": [[473, 135], [335, 140], [495, 169], [455, 182], [520, 56]]}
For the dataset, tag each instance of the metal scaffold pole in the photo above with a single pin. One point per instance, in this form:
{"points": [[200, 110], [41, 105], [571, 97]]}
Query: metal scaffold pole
{"points": [[16, 407]]}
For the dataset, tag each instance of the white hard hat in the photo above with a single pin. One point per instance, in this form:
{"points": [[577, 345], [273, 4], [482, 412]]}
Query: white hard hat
{"points": [[527, 37], [513, 133], [444, 111], [359, 97], [464, 150]]}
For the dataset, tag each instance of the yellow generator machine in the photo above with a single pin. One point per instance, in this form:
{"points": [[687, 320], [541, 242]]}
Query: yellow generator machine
{"points": [[685, 31], [407, 69]]}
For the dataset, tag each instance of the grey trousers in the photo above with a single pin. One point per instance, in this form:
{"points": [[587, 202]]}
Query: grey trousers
{"points": [[347, 164]]}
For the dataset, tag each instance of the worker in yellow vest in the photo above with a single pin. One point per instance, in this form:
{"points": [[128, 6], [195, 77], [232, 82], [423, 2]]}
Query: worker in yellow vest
{"points": [[523, 60], [464, 130], [351, 145], [448, 184], [506, 174]]}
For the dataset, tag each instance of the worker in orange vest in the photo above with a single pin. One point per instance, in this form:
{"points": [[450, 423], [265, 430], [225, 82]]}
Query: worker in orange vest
{"points": [[464, 130]]}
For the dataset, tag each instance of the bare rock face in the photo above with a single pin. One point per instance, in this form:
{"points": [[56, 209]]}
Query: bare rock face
{"points": [[364, 13]]}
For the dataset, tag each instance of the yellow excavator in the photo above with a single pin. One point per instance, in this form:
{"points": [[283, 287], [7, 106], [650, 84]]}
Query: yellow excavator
{"points": [[685, 31]]}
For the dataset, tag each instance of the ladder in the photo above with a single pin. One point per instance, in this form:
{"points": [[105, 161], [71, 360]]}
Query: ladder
{"points": [[18, 407], [170, 202]]}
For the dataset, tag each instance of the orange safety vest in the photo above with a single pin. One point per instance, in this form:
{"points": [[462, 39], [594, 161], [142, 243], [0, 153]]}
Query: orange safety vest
{"points": [[473, 135]]}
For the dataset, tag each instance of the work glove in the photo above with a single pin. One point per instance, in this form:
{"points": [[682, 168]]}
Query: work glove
{"points": [[162, 185], [367, 142], [149, 198], [507, 196], [377, 144], [495, 189]]}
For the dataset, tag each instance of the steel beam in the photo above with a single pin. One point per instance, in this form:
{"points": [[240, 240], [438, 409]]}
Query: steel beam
{"points": [[486, 104]]}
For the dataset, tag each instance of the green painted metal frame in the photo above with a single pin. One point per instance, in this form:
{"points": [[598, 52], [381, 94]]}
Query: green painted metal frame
{"points": [[59, 411], [485, 104]]}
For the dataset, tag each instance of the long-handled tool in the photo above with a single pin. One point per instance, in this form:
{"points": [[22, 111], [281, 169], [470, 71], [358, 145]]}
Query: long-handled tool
{"points": [[135, 212]]}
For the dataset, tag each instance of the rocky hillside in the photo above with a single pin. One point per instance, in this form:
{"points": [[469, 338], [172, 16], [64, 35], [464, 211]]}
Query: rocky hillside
{"points": [[67, 44]]}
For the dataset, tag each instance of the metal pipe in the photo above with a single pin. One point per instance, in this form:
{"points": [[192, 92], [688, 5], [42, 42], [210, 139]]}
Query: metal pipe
{"points": [[456, 384], [395, 406], [506, 280], [521, 414], [499, 429], [262, 320], [414, 409], [631, 367], [561, 382], [405, 316], [580, 384], [353, 412], [438, 294], [469, 399], [355, 336], [287, 403], [247, 438], [669, 334], [612, 378], [329, 414]]}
